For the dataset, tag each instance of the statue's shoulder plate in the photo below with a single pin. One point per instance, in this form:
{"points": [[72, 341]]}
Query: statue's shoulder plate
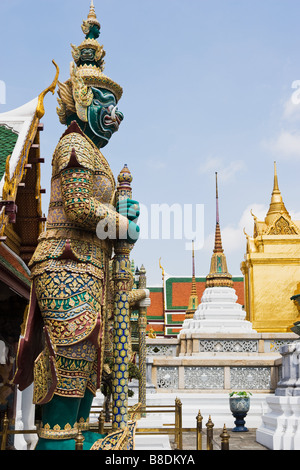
{"points": [[73, 150]]}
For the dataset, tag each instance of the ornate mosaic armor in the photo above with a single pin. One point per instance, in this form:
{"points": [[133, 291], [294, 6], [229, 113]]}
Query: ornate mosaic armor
{"points": [[70, 265]]}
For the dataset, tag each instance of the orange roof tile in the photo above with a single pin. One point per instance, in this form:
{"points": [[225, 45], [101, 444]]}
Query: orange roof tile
{"points": [[156, 309]]}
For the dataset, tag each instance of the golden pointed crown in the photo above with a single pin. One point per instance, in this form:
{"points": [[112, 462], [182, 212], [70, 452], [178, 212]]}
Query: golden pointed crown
{"points": [[75, 93], [91, 19]]}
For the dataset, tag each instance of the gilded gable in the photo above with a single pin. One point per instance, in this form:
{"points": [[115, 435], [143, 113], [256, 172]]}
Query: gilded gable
{"points": [[282, 226]]}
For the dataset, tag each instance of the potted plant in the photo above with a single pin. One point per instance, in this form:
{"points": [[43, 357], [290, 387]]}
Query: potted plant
{"points": [[239, 406]]}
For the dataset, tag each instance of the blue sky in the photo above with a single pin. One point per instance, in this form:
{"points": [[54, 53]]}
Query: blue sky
{"points": [[207, 87]]}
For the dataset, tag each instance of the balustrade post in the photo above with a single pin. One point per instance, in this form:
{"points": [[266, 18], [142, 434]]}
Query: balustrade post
{"points": [[209, 431], [199, 431], [101, 422], [79, 441], [224, 439], [4, 432], [178, 423]]}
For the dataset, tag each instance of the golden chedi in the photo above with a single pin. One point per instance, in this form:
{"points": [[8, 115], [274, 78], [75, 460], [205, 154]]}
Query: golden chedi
{"points": [[272, 268]]}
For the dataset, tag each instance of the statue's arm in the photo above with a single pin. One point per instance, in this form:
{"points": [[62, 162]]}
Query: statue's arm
{"points": [[79, 204]]}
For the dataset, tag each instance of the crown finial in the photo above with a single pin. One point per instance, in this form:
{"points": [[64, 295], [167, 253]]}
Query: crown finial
{"points": [[91, 26], [92, 14]]}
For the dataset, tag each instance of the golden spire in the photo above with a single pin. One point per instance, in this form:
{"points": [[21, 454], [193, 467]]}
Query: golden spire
{"points": [[218, 275], [276, 206], [193, 300]]}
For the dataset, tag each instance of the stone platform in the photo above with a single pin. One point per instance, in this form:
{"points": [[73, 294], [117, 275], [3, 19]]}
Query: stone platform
{"points": [[215, 405]]}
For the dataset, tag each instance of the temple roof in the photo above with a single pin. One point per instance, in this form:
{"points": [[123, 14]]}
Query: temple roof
{"points": [[278, 220], [14, 132], [8, 139], [21, 219]]}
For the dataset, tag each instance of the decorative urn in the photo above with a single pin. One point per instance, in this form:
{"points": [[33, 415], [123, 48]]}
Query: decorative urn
{"points": [[239, 406]]}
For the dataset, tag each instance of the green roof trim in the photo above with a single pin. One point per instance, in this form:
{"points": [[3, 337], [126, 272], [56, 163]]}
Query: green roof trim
{"points": [[155, 317], [172, 320], [155, 289], [8, 139]]}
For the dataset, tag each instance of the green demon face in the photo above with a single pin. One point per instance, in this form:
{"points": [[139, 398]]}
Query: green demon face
{"points": [[87, 55], [103, 115]]}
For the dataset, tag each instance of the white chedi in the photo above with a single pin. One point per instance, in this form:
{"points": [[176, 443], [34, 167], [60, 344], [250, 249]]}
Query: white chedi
{"points": [[218, 312]]}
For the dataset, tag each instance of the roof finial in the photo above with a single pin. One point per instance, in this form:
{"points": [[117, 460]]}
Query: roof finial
{"points": [[277, 205], [275, 188]]}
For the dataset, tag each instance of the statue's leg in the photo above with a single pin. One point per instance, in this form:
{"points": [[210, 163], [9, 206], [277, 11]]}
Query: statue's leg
{"points": [[85, 409], [70, 303], [58, 430], [60, 416]]}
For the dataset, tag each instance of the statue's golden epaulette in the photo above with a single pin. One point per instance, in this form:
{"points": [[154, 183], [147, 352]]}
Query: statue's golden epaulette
{"points": [[73, 150]]}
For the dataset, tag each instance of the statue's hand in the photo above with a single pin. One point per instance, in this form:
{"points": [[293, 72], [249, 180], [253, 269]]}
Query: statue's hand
{"points": [[131, 210], [133, 232]]}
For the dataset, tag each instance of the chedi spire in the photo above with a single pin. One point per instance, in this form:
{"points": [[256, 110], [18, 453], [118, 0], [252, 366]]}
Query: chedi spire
{"points": [[193, 299], [218, 275]]}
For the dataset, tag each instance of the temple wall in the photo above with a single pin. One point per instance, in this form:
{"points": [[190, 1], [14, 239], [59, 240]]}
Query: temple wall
{"points": [[218, 364], [272, 271]]}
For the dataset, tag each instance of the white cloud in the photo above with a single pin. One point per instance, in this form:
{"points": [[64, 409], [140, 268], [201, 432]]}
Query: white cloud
{"points": [[291, 110], [155, 164], [210, 165], [287, 144], [294, 215], [226, 170], [233, 237]]}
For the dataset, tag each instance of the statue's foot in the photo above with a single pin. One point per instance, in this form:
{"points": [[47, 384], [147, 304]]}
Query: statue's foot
{"points": [[90, 437], [55, 444]]}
